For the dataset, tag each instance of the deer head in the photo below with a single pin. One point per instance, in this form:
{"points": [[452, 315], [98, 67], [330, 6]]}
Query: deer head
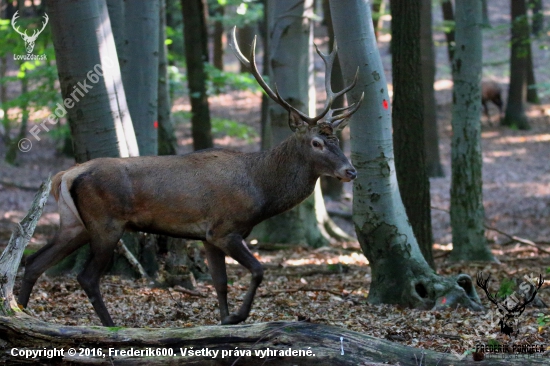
{"points": [[510, 309], [29, 40], [324, 151]]}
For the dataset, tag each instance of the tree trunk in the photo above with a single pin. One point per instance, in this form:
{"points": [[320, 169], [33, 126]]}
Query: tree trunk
{"points": [[290, 59], [532, 94], [427, 60], [467, 212], [167, 141], [449, 18], [517, 90], [400, 274], [537, 24], [196, 54], [408, 122], [218, 39], [140, 73], [333, 187], [13, 144], [485, 14], [90, 80]]}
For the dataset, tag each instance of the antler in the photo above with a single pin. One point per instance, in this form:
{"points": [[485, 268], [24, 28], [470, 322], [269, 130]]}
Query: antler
{"points": [[483, 284], [335, 121], [15, 16]]}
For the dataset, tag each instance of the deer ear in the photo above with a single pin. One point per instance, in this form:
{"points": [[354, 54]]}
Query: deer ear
{"points": [[295, 122]]}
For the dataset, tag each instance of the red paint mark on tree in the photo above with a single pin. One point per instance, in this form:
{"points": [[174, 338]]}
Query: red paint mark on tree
{"points": [[444, 300], [385, 104], [156, 124]]}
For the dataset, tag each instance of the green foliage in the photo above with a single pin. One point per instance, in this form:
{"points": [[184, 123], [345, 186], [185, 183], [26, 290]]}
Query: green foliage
{"points": [[221, 81], [238, 12], [222, 126], [38, 77], [493, 342], [543, 320], [507, 287]]}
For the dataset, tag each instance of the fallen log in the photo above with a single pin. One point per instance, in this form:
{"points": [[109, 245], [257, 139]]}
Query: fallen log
{"points": [[274, 343]]}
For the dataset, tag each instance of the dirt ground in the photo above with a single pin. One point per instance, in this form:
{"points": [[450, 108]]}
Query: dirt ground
{"points": [[329, 285]]}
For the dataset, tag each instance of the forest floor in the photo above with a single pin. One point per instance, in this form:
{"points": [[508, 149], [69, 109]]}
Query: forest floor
{"points": [[330, 285]]}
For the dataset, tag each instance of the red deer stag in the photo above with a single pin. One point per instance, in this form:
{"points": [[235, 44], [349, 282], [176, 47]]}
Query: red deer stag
{"points": [[213, 195]]}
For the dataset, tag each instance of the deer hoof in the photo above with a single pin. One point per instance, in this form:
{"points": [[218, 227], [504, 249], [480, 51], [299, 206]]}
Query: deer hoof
{"points": [[232, 319]]}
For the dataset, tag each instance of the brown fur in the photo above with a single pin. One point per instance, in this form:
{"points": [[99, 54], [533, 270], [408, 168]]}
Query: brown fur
{"points": [[56, 184]]}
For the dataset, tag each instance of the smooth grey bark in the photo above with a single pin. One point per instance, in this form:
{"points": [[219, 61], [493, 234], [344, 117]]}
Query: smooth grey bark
{"points": [[140, 73], [98, 121], [196, 54], [467, 212], [400, 274], [408, 122], [167, 141], [514, 115], [291, 68], [427, 60]]}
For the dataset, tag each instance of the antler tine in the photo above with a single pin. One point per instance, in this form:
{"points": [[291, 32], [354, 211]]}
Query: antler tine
{"points": [[251, 64], [331, 96], [254, 69], [337, 120], [16, 28]]}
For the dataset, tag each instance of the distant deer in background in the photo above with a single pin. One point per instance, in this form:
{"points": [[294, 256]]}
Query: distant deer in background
{"points": [[491, 92], [213, 195]]}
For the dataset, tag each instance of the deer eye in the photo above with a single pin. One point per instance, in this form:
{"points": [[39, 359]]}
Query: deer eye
{"points": [[317, 144]]}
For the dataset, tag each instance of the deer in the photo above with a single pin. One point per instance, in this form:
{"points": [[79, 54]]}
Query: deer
{"points": [[29, 40], [213, 195], [510, 307], [491, 92]]}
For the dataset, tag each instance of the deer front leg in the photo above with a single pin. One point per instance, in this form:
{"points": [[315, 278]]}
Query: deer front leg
{"points": [[234, 246]]}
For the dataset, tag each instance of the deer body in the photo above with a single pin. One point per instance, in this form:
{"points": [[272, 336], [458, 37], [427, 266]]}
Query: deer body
{"points": [[491, 92], [213, 195]]}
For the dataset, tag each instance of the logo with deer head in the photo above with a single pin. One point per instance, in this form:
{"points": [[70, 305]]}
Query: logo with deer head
{"points": [[29, 40], [512, 306]]}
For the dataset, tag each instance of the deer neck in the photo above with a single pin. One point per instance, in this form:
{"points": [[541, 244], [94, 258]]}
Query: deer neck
{"points": [[285, 175]]}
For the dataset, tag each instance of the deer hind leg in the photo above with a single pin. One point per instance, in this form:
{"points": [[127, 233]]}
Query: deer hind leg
{"points": [[71, 236], [216, 266], [104, 239], [234, 246]]}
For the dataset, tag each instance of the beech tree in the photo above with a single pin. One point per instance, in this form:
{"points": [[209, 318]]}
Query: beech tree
{"points": [[467, 212], [408, 122], [140, 72], [400, 274], [427, 69], [517, 90], [99, 118], [196, 54]]}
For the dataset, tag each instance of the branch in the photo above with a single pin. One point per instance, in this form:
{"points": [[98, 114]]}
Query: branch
{"points": [[11, 257], [123, 250]]}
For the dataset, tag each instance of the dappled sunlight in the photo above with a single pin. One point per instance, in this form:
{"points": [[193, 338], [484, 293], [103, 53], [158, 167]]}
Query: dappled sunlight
{"points": [[443, 84], [349, 259], [543, 137]]}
